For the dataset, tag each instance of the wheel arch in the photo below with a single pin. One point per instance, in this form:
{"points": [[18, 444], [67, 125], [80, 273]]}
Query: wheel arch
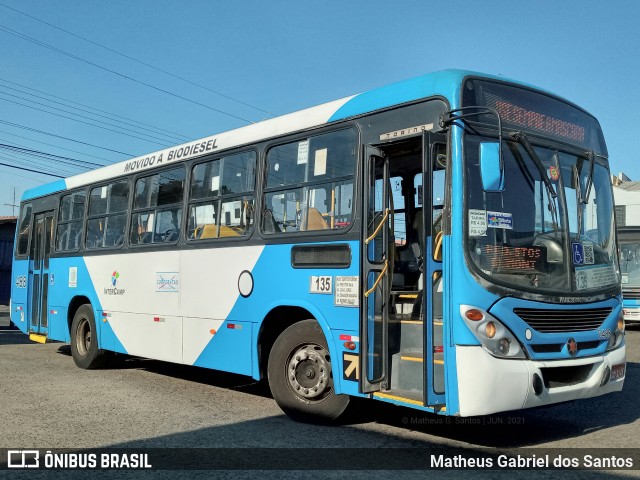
{"points": [[75, 303], [277, 320]]}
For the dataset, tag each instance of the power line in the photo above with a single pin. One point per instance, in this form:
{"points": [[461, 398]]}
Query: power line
{"points": [[155, 130], [24, 127], [55, 146], [49, 156], [31, 170], [38, 162], [128, 77], [138, 61], [80, 116], [22, 176], [80, 121]]}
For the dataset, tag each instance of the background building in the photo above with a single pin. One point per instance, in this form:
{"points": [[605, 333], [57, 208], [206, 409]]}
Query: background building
{"points": [[7, 234], [626, 195]]}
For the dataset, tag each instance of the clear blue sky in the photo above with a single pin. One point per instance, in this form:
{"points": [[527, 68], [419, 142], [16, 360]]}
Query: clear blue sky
{"points": [[282, 56]]}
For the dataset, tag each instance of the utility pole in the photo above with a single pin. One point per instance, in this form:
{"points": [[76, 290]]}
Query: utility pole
{"points": [[13, 205]]}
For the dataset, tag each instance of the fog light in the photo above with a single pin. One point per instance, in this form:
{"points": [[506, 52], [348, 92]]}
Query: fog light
{"points": [[490, 329], [537, 384], [503, 346], [474, 315], [605, 376]]}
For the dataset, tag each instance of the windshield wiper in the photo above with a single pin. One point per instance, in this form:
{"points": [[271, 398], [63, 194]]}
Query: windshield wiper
{"points": [[591, 156], [580, 200], [522, 139]]}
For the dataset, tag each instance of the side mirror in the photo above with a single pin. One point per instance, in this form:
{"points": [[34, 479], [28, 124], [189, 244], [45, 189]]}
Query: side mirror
{"points": [[491, 168]]}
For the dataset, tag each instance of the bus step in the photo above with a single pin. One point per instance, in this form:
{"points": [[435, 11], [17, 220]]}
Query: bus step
{"points": [[35, 337], [411, 335], [403, 301], [407, 371], [412, 397]]}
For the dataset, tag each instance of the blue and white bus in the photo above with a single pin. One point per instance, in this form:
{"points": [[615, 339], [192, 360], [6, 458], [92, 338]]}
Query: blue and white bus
{"points": [[629, 241], [445, 243]]}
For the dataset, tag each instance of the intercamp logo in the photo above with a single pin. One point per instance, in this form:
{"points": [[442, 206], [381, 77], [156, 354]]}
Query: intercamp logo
{"points": [[23, 459]]}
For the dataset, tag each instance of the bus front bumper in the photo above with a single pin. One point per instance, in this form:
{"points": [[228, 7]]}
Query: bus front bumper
{"points": [[487, 384]]}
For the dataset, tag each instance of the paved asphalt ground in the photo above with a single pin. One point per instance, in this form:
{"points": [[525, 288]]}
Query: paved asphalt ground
{"points": [[47, 402]]}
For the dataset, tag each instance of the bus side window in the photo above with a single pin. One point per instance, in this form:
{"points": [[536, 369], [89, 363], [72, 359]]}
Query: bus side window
{"points": [[310, 184], [23, 229], [107, 215], [221, 197], [70, 219], [157, 207]]}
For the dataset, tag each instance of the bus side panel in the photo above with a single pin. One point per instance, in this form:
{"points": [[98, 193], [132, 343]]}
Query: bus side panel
{"points": [[19, 294], [209, 288], [70, 278], [277, 283], [139, 302], [229, 349]]}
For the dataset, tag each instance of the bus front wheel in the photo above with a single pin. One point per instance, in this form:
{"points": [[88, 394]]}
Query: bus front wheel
{"points": [[84, 340], [300, 375]]}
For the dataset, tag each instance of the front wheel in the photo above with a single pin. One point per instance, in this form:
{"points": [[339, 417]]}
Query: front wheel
{"points": [[84, 340], [300, 375]]}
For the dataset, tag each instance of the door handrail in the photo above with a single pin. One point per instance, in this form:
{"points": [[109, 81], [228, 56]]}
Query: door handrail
{"points": [[377, 230]]}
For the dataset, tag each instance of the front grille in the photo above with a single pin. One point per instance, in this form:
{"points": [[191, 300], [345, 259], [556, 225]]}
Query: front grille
{"points": [[565, 376], [557, 347], [558, 321], [631, 294], [547, 347]]}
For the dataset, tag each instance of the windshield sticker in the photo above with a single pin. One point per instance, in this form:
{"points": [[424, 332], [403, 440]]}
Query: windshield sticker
{"points": [[499, 220], [303, 152], [577, 252], [595, 277], [582, 253], [554, 174], [625, 278], [588, 253], [477, 223]]}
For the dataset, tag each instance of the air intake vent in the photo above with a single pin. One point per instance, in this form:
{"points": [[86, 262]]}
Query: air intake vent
{"points": [[557, 321]]}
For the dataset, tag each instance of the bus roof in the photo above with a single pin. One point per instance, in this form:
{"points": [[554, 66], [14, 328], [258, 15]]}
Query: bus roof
{"points": [[445, 83]]}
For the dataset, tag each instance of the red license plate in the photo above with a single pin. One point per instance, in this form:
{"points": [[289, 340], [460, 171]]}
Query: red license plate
{"points": [[617, 371]]}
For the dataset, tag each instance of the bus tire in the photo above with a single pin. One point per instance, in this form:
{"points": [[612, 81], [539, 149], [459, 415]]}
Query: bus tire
{"points": [[300, 376], [84, 340]]}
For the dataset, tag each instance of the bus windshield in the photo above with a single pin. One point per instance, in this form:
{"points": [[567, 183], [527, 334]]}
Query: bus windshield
{"points": [[525, 238], [551, 231]]}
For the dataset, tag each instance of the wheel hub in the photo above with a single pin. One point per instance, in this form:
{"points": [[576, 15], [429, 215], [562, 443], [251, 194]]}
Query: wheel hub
{"points": [[308, 371]]}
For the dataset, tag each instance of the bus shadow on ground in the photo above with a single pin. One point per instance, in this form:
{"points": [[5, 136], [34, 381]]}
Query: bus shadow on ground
{"points": [[14, 337], [205, 376], [313, 451], [505, 430]]}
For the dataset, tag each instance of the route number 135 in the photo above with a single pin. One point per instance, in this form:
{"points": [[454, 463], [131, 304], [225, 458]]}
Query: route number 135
{"points": [[321, 284]]}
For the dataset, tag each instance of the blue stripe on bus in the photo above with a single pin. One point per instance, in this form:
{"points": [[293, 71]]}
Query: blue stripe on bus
{"points": [[61, 294], [277, 283], [43, 190], [444, 83]]}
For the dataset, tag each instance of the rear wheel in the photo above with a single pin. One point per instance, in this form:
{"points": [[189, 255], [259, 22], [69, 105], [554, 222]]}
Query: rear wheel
{"points": [[300, 375], [84, 340]]}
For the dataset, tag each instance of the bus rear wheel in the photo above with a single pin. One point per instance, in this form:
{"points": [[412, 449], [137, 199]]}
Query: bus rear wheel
{"points": [[300, 375], [84, 340]]}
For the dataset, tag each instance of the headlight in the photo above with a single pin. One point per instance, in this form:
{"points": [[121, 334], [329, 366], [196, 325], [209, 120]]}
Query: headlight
{"points": [[616, 338], [491, 333]]}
